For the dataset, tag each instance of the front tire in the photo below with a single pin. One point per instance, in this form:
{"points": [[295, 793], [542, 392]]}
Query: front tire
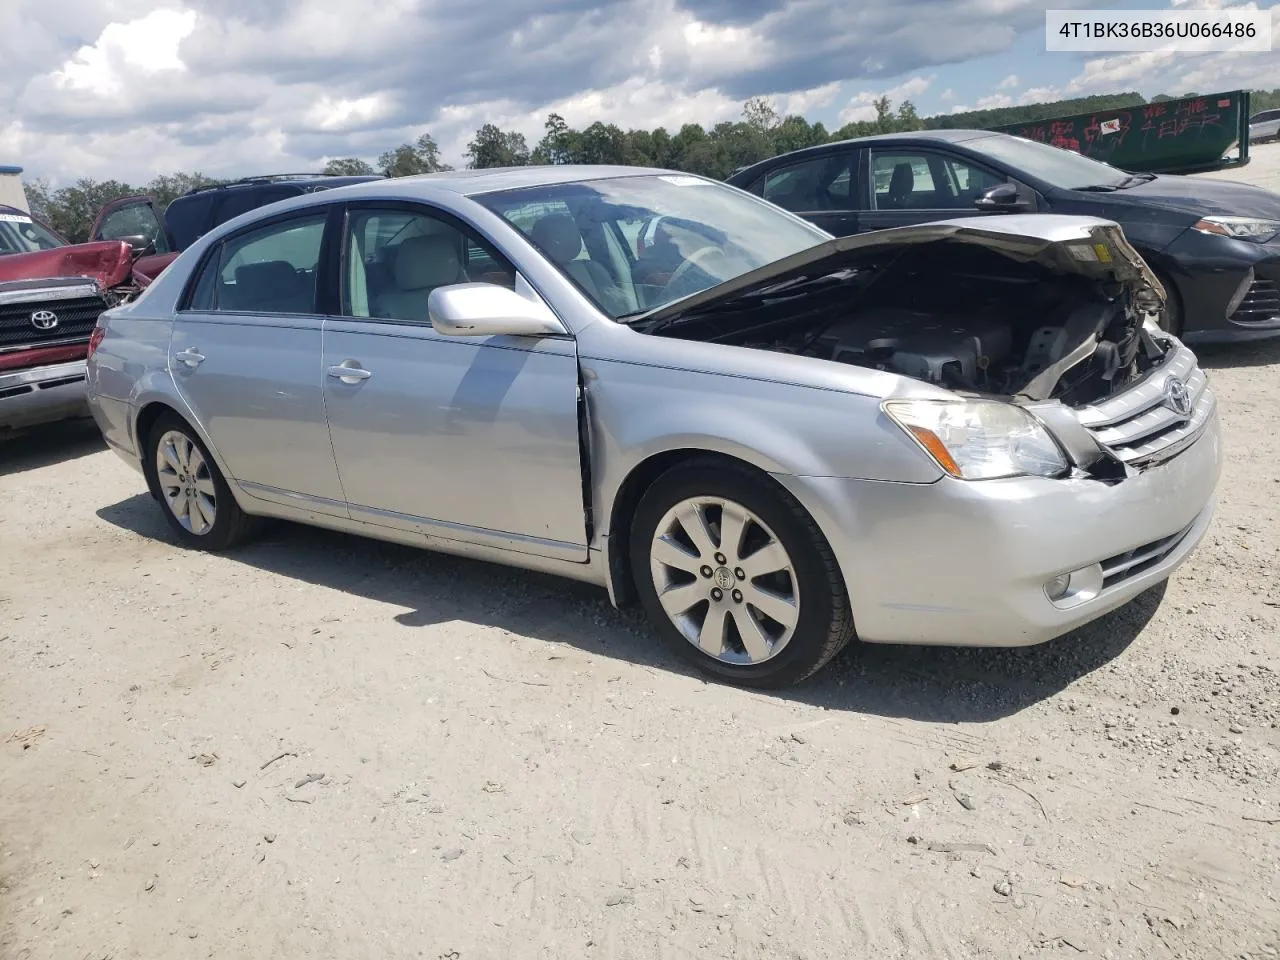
{"points": [[193, 494], [737, 577]]}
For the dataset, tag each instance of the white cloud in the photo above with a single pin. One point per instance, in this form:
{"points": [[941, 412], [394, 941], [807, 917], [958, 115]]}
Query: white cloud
{"points": [[1009, 82], [144, 47], [861, 106]]}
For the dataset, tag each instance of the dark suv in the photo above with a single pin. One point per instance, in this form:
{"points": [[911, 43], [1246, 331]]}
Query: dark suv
{"points": [[164, 235]]}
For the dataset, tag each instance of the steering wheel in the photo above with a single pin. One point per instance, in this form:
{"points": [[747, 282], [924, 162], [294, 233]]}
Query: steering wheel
{"points": [[693, 260]]}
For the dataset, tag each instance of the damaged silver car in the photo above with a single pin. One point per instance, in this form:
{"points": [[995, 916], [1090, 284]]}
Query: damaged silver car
{"points": [[966, 433]]}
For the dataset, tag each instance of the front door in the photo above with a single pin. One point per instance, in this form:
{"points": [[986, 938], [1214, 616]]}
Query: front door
{"points": [[910, 185], [245, 355], [451, 437], [136, 221]]}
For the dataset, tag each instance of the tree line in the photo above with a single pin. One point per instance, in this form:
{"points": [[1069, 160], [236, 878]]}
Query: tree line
{"points": [[761, 132]]}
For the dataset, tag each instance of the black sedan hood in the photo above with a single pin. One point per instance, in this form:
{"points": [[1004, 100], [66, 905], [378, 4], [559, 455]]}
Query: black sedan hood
{"points": [[1203, 197]]}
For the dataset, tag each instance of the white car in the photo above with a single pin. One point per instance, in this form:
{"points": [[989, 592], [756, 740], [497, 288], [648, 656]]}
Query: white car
{"points": [[1264, 126]]}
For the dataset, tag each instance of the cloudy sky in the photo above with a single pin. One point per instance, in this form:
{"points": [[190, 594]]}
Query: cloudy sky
{"points": [[131, 88]]}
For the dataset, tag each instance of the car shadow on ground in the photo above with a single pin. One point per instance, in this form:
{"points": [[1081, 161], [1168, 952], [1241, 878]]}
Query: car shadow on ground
{"points": [[921, 683], [44, 446], [1222, 356]]}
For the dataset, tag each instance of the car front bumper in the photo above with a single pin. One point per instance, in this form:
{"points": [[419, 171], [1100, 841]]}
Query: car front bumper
{"points": [[966, 563], [40, 395]]}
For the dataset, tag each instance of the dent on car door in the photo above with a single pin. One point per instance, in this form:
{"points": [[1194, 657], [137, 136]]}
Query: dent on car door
{"points": [[136, 221], [909, 185], [245, 355], [471, 439]]}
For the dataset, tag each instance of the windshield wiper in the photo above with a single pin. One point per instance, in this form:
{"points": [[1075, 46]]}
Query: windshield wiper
{"points": [[1099, 188]]}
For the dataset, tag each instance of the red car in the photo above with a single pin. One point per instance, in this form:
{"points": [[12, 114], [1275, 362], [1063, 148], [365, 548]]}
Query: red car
{"points": [[51, 293]]}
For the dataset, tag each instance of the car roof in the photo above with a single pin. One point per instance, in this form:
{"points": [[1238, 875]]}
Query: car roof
{"points": [[470, 183], [906, 138]]}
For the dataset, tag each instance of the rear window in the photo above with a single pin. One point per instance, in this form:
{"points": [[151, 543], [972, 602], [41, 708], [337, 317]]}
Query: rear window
{"points": [[188, 218]]}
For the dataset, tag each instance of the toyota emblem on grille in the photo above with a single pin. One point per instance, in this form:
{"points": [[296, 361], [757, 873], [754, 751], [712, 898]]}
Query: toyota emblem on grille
{"points": [[1176, 398], [44, 319]]}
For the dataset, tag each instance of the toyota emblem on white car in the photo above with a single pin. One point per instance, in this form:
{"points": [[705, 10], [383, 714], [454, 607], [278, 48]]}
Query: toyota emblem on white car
{"points": [[44, 319], [1176, 398]]}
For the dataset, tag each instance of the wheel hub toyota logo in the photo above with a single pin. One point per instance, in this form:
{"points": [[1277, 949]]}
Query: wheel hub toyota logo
{"points": [[44, 319], [1176, 398]]}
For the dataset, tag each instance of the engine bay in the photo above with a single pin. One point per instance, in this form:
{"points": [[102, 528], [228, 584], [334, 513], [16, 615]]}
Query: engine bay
{"points": [[962, 316]]}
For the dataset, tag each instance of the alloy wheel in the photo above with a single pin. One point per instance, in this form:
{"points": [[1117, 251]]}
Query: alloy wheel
{"points": [[725, 580], [185, 482]]}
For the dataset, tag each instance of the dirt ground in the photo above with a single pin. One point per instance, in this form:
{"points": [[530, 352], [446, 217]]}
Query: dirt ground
{"points": [[320, 746]]}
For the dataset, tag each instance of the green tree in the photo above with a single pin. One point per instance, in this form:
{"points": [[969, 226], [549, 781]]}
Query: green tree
{"points": [[72, 210], [908, 119], [411, 159], [492, 147], [348, 167], [164, 189], [760, 114], [37, 191], [559, 143]]}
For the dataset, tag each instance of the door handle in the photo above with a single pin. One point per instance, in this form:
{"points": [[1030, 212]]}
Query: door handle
{"points": [[191, 357], [349, 371]]}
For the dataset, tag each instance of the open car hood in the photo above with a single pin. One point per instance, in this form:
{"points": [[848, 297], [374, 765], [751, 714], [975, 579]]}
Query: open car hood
{"points": [[1070, 244], [109, 262]]}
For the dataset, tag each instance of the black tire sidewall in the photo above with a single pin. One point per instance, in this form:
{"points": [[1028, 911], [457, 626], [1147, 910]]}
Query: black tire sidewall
{"points": [[808, 646], [227, 510]]}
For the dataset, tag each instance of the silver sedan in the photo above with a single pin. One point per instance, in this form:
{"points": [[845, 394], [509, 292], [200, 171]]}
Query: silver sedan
{"points": [[967, 433]]}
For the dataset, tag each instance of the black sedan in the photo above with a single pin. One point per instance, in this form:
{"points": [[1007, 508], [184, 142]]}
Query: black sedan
{"points": [[1215, 245]]}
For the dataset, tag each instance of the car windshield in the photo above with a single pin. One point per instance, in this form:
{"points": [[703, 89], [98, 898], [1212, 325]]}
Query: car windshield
{"points": [[1054, 165], [20, 234], [635, 243]]}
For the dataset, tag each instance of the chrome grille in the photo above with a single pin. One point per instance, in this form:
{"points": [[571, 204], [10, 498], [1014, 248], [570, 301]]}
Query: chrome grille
{"points": [[1260, 305], [1139, 427]]}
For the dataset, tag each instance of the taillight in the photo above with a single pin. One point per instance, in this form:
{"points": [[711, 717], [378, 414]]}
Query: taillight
{"points": [[95, 338]]}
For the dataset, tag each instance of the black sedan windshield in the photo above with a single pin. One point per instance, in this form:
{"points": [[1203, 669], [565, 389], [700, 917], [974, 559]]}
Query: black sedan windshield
{"points": [[1055, 166], [20, 234], [635, 243]]}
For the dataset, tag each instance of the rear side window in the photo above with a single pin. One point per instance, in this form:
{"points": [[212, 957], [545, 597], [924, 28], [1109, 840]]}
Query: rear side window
{"points": [[237, 200], [823, 183], [270, 270], [188, 218]]}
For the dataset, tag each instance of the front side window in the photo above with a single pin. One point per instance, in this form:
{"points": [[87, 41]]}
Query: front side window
{"points": [[823, 183], [268, 270], [20, 234], [396, 257], [634, 243]]}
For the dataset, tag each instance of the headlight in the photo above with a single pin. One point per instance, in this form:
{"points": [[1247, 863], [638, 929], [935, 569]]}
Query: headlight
{"points": [[980, 439], [1240, 228]]}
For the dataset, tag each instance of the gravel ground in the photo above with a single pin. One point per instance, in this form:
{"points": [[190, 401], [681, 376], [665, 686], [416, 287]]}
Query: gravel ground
{"points": [[320, 746]]}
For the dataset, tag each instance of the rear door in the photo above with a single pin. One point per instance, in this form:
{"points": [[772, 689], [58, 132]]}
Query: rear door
{"points": [[910, 185], [245, 355], [131, 218], [822, 189]]}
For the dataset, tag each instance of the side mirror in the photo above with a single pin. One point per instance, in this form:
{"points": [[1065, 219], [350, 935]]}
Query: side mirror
{"points": [[488, 310], [1002, 198], [142, 245]]}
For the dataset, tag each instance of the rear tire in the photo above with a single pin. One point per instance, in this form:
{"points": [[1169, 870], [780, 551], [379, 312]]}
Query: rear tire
{"points": [[194, 496], [736, 576]]}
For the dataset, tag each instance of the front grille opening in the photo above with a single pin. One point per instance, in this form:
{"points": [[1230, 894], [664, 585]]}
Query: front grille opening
{"points": [[1261, 304], [1135, 562]]}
